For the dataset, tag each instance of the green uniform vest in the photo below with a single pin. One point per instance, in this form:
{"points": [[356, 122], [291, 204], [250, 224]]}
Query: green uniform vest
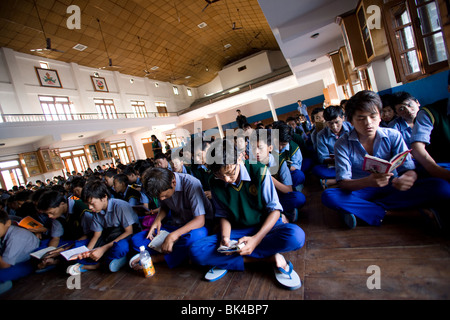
{"points": [[244, 201], [72, 223], [201, 175], [440, 136]]}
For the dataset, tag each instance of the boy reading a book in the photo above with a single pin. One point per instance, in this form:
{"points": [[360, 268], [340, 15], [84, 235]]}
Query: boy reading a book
{"points": [[247, 205], [125, 191], [183, 212], [70, 221], [114, 222], [16, 244], [369, 195]]}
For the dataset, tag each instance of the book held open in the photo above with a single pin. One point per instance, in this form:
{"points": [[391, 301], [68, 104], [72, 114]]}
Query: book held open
{"points": [[233, 247], [377, 165]]}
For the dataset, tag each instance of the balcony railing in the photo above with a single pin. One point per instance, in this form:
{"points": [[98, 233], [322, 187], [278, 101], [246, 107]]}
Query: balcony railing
{"points": [[81, 116]]}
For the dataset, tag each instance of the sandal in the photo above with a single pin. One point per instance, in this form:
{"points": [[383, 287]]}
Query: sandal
{"points": [[288, 279], [76, 269]]}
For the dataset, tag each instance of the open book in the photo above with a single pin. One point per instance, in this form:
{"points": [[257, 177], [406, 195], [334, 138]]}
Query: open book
{"points": [[72, 254], [32, 225], [157, 241], [233, 247], [377, 165], [50, 252]]}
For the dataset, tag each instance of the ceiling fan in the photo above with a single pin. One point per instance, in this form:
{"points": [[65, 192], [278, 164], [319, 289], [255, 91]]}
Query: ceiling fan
{"points": [[47, 40], [147, 73], [209, 2], [172, 78], [110, 64]]}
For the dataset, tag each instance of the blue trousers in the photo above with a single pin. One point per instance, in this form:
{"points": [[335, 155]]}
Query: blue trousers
{"points": [[291, 200], [283, 237], [180, 250], [370, 204], [17, 271], [298, 177], [323, 172]]}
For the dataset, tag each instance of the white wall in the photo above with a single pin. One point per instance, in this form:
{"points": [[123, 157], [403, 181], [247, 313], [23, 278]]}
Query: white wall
{"points": [[256, 66]]}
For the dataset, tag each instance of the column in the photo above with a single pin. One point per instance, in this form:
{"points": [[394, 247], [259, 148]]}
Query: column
{"points": [[272, 107]]}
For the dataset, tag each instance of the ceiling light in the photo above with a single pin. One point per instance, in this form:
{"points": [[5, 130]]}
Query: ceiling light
{"points": [[131, 80], [227, 46], [202, 25], [315, 35], [154, 68], [313, 60], [234, 90], [207, 69], [96, 74], [187, 77], [80, 136], [79, 47]]}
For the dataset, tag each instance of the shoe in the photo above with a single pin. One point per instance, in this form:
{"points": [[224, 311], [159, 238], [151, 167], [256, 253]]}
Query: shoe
{"points": [[215, 274], [47, 268], [75, 269], [288, 279], [350, 220], [5, 286], [116, 264]]}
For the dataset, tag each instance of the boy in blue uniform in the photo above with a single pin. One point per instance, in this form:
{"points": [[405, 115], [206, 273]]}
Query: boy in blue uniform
{"points": [[290, 199], [114, 222], [369, 195], [336, 126], [247, 205], [16, 244], [183, 213], [406, 107]]}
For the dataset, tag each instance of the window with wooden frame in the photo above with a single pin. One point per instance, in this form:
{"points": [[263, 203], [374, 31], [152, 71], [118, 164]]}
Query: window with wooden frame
{"points": [[57, 108], [74, 160], [139, 109], [415, 38], [106, 108]]}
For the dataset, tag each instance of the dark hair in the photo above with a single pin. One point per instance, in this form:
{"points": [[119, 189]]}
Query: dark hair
{"points": [[317, 110], [284, 131], [332, 112], [110, 173], [37, 194], [94, 189], [77, 182], [401, 97], [50, 199], [157, 180], [4, 217], [129, 170], [228, 154], [388, 100], [160, 155], [122, 178], [365, 100]]}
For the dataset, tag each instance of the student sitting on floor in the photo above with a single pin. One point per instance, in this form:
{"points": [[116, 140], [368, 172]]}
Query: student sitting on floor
{"points": [[318, 122], [247, 205], [406, 107], [162, 162], [387, 113], [113, 224], [366, 195], [290, 152], [290, 199], [71, 221], [16, 244], [336, 126], [125, 191], [199, 169], [430, 138], [183, 213]]}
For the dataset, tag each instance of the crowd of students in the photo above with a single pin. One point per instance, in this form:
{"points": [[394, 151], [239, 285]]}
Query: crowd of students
{"points": [[246, 190]]}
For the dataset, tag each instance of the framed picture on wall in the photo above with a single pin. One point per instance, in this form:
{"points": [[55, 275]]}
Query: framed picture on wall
{"points": [[48, 78], [99, 84]]}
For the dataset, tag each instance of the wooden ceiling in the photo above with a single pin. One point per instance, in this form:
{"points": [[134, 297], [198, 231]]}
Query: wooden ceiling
{"points": [[166, 30]]}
